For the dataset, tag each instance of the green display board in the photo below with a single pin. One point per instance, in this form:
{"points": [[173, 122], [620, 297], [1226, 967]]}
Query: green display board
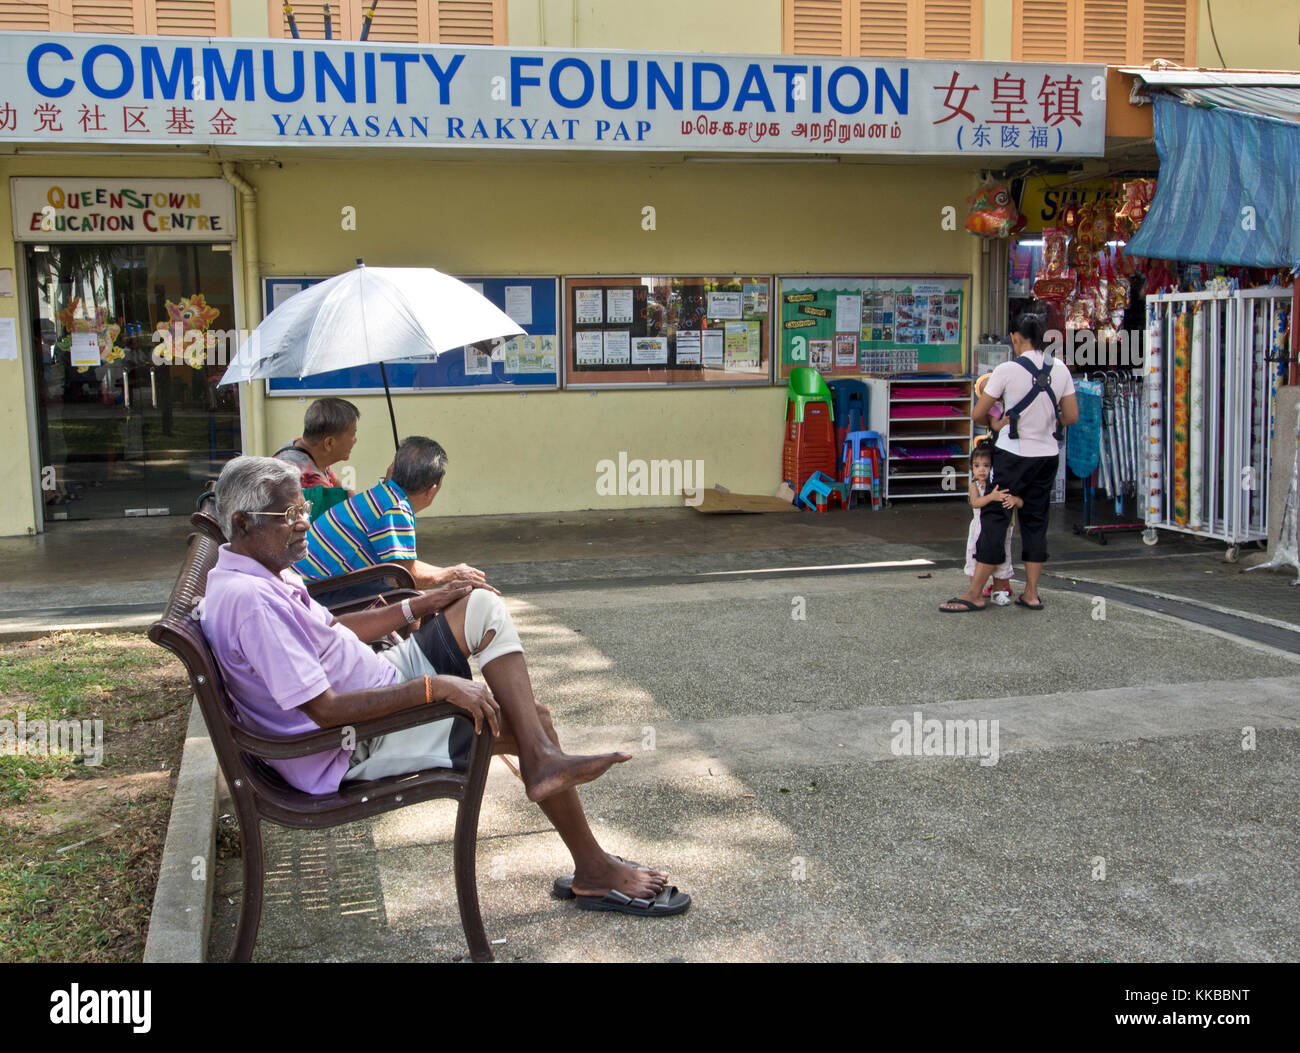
{"points": [[845, 324]]}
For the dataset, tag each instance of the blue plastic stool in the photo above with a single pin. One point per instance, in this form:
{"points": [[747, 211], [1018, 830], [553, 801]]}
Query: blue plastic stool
{"points": [[816, 492], [855, 442]]}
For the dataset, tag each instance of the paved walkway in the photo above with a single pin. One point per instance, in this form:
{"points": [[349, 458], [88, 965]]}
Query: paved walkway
{"points": [[1123, 819]]}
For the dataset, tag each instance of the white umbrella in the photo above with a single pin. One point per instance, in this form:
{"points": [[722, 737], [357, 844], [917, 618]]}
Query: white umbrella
{"points": [[368, 315]]}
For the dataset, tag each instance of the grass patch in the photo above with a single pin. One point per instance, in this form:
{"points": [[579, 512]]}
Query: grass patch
{"points": [[80, 844]]}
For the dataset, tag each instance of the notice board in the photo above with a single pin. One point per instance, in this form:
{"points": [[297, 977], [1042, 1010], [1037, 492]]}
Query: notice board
{"points": [[843, 325], [528, 362]]}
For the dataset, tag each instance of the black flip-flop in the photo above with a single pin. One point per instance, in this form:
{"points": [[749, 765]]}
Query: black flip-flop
{"points": [[967, 606], [1020, 602], [563, 886], [668, 902]]}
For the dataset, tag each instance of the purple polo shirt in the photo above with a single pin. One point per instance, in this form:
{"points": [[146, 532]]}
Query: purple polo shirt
{"points": [[279, 648]]}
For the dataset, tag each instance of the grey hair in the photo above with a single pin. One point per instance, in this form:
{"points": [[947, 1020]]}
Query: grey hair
{"points": [[248, 484], [326, 417]]}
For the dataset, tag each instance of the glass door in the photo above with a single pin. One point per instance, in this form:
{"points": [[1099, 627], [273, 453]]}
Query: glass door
{"points": [[129, 342]]}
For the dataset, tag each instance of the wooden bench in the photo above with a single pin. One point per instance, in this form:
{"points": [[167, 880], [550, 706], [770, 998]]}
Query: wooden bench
{"points": [[261, 794]]}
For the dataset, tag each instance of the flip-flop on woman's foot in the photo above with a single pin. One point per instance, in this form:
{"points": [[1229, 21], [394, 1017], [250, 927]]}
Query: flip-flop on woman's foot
{"points": [[1022, 602], [957, 605]]}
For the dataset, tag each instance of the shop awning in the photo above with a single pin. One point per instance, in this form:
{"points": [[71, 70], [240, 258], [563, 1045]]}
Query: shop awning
{"points": [[1227, 191]]}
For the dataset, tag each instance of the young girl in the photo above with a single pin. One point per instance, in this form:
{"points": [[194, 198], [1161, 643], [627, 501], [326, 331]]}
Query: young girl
{"points": [[981, 465]]}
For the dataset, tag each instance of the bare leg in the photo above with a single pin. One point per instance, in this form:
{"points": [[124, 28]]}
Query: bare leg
{"points": [[527, 731], [595, 872], [974, 590], [1033, 571]]}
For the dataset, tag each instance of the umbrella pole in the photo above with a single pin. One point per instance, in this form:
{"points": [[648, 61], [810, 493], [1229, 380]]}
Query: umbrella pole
{"points": [[389, 396]]}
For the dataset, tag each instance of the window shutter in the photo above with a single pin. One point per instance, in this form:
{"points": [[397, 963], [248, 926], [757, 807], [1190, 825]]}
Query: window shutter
{"points": [[1105, 31], [19, 15], [1042, 31], [1166, 32], [404, 21], [816, 27], [102, 16], [189, 18], [949, 28], [882, 29], [470, 21]]}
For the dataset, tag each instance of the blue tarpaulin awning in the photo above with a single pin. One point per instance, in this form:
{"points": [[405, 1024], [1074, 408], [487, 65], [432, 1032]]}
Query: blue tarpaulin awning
{"points": [[1229, 188]]}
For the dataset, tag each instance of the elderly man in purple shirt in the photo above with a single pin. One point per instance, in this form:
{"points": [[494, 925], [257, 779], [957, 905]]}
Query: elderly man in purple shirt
{"points": [[290, 667]]}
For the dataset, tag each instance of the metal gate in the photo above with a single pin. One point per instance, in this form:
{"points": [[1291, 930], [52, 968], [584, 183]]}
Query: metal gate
{"points": [[1209, 393]]}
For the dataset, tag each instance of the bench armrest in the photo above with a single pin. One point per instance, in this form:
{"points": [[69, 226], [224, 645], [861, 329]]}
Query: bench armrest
{"points": [[282, 747], [394, 572]]}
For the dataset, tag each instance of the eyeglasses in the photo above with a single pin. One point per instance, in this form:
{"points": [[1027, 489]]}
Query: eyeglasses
{"points": [[290, 515]]}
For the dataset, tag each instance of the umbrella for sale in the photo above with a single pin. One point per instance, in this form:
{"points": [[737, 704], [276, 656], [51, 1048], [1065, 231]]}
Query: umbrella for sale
{"points": [[364, 316]]}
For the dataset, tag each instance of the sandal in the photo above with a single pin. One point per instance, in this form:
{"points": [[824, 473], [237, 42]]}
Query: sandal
{"points": [[668, 902], [563, 887], [967, 606], [1020, 602]]}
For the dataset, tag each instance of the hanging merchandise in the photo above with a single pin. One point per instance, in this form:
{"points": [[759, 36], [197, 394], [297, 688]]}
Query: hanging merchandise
{"points": [[993, 213], [1212, 413], [1182, 409], [1133, 210], [1083, 438], [1055, 280], [1151, 400]]}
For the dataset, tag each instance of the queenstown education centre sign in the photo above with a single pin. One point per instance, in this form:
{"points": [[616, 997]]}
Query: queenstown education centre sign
{"points": [[87, 88]]}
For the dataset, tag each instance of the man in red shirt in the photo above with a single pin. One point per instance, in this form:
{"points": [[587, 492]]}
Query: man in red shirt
{"points": [[329, 432]]}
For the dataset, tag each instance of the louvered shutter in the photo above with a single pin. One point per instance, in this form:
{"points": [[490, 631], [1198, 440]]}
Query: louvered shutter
{"points": [[469, 21], [189, 18], [1105, 36], [882, 29], [816, 27], [102, 16], [1042, 31], [948, 29], [1166, 32], [17, 15], [404, 21]]}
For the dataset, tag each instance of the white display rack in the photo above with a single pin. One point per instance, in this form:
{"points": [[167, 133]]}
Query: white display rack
{"points": [[950, 424]]}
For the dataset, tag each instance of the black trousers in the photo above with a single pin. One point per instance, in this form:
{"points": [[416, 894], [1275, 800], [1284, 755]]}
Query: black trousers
{"points": [[1031, 479]]}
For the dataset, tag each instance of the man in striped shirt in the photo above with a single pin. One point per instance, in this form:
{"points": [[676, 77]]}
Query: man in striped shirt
{"points": [[378, 525]]}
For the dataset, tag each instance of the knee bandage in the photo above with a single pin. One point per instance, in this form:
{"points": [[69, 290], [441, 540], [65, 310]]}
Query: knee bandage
{"points": [[484, 613]]}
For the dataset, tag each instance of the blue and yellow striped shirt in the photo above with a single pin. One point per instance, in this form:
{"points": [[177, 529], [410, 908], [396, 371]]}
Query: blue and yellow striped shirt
{"points": [[376, 526]]}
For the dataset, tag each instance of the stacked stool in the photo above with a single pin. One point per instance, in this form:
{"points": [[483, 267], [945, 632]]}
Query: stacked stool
{"points": [[861, 464], [809, 445]]}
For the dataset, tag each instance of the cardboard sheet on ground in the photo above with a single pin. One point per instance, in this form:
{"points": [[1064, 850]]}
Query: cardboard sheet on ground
{"points": [[714, 502]]}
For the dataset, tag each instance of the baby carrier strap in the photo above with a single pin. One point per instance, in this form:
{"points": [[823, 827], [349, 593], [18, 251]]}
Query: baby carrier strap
{"points": [[1042, 385]]}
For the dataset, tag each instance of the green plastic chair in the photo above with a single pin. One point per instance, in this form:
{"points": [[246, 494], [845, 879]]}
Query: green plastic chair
{"points": [[323, 498], [807, 385]]}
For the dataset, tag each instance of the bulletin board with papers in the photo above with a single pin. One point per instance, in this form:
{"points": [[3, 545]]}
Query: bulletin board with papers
{"points": [[529, 362], [843, 325], [667, 330]]}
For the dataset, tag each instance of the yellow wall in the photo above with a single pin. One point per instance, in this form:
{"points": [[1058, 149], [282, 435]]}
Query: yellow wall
{"points": [[513, 454], [997, 30], [1253, 34], [731, 27], [17, 514], [249, 18]]}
